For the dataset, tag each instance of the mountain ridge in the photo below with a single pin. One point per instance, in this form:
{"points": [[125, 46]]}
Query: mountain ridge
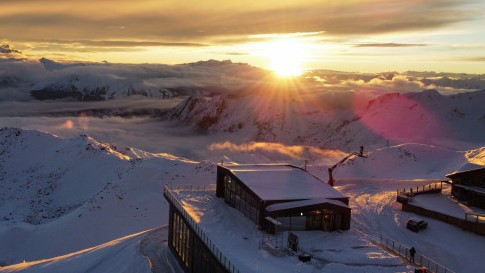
{"points": [[426, 117]]}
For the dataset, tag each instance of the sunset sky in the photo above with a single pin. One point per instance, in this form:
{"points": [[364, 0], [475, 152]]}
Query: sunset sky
{"points": [[350, 35]]}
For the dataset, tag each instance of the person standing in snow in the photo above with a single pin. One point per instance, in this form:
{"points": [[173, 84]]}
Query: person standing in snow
{"points": [[412, 251]]}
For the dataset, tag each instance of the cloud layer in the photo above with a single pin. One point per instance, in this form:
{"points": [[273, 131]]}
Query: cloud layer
{"points": [[184, 20]]}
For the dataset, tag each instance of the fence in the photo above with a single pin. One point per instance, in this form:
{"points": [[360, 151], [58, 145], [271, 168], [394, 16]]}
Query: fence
{"points": [[472, 222], [430, 188], [167, 191], [419, 259]]}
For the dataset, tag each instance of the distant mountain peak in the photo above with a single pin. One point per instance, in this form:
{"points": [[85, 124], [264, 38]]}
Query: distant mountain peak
{"points": [[5, 48]]}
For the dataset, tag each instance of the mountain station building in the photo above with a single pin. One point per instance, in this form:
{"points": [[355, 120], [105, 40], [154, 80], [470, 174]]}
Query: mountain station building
{"points": [[283, 197]]}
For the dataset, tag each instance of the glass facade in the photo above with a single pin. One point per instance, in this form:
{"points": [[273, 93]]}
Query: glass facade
{"points": [[181, 238], [325, 219], [239, 198], [192, 253]]}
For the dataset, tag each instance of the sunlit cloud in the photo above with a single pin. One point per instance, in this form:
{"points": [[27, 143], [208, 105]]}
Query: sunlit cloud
{"points": [[398, 83], [68, 124], [472, 59], [476, 156], [184, 31], [118, 43], [387, 45], [83, 121], [80, 123], [236, 53], [180, 20], [295, 152]]}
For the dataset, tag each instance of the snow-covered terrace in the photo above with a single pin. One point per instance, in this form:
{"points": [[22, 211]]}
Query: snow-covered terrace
{"points": [[445, 203], [238, 239]]}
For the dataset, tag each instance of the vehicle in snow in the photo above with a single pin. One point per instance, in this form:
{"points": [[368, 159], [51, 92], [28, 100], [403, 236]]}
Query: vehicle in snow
{"points": [[416, 224]]}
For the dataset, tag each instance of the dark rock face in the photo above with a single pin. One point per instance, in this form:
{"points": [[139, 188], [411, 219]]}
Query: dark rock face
{"points": [[52, 93], [68, 89], [203, 112]]}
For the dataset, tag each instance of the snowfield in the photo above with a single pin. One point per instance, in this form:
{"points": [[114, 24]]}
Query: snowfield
{"points": [[60, 196], [80, 205]]}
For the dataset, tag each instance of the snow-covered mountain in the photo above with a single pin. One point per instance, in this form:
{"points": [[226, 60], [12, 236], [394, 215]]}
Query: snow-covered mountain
{"points": [[49, 79], [406, 161], [58, 196], [88, 81], [95, 87], [426, 117]]}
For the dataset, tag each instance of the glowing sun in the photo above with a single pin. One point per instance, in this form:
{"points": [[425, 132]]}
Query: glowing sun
{"points": [[286, 57]]}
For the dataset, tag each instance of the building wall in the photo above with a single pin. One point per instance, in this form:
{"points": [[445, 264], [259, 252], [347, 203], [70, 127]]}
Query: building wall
{"points": [[474, 178], [472, 198], [316, 218], [180, 238], [193, 255], [239, 196]]}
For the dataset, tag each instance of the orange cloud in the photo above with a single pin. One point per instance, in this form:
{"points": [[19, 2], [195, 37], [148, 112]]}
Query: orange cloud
{"points": [[292, 151], [83, 121], [68, 124]]}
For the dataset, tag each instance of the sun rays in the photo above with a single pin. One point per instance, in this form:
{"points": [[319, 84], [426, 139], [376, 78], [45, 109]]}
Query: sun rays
{"points": [[286, 56]]}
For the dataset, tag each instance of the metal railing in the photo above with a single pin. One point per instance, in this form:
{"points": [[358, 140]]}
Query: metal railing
{"points": [[167, 191], [474, 217], [419, 259], [433, 187], [204, 187]]}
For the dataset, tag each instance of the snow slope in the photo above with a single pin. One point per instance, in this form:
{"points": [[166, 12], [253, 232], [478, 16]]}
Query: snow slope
{"points": [[404, 161], [76, 205], [140, 252], [64, 195], [120, 255], [374, 213]]}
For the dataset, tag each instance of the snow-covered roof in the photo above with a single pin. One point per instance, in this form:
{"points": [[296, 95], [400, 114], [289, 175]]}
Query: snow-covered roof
{"points": [[304, 203], [466, 168], [272, 220], [282, 182]]}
